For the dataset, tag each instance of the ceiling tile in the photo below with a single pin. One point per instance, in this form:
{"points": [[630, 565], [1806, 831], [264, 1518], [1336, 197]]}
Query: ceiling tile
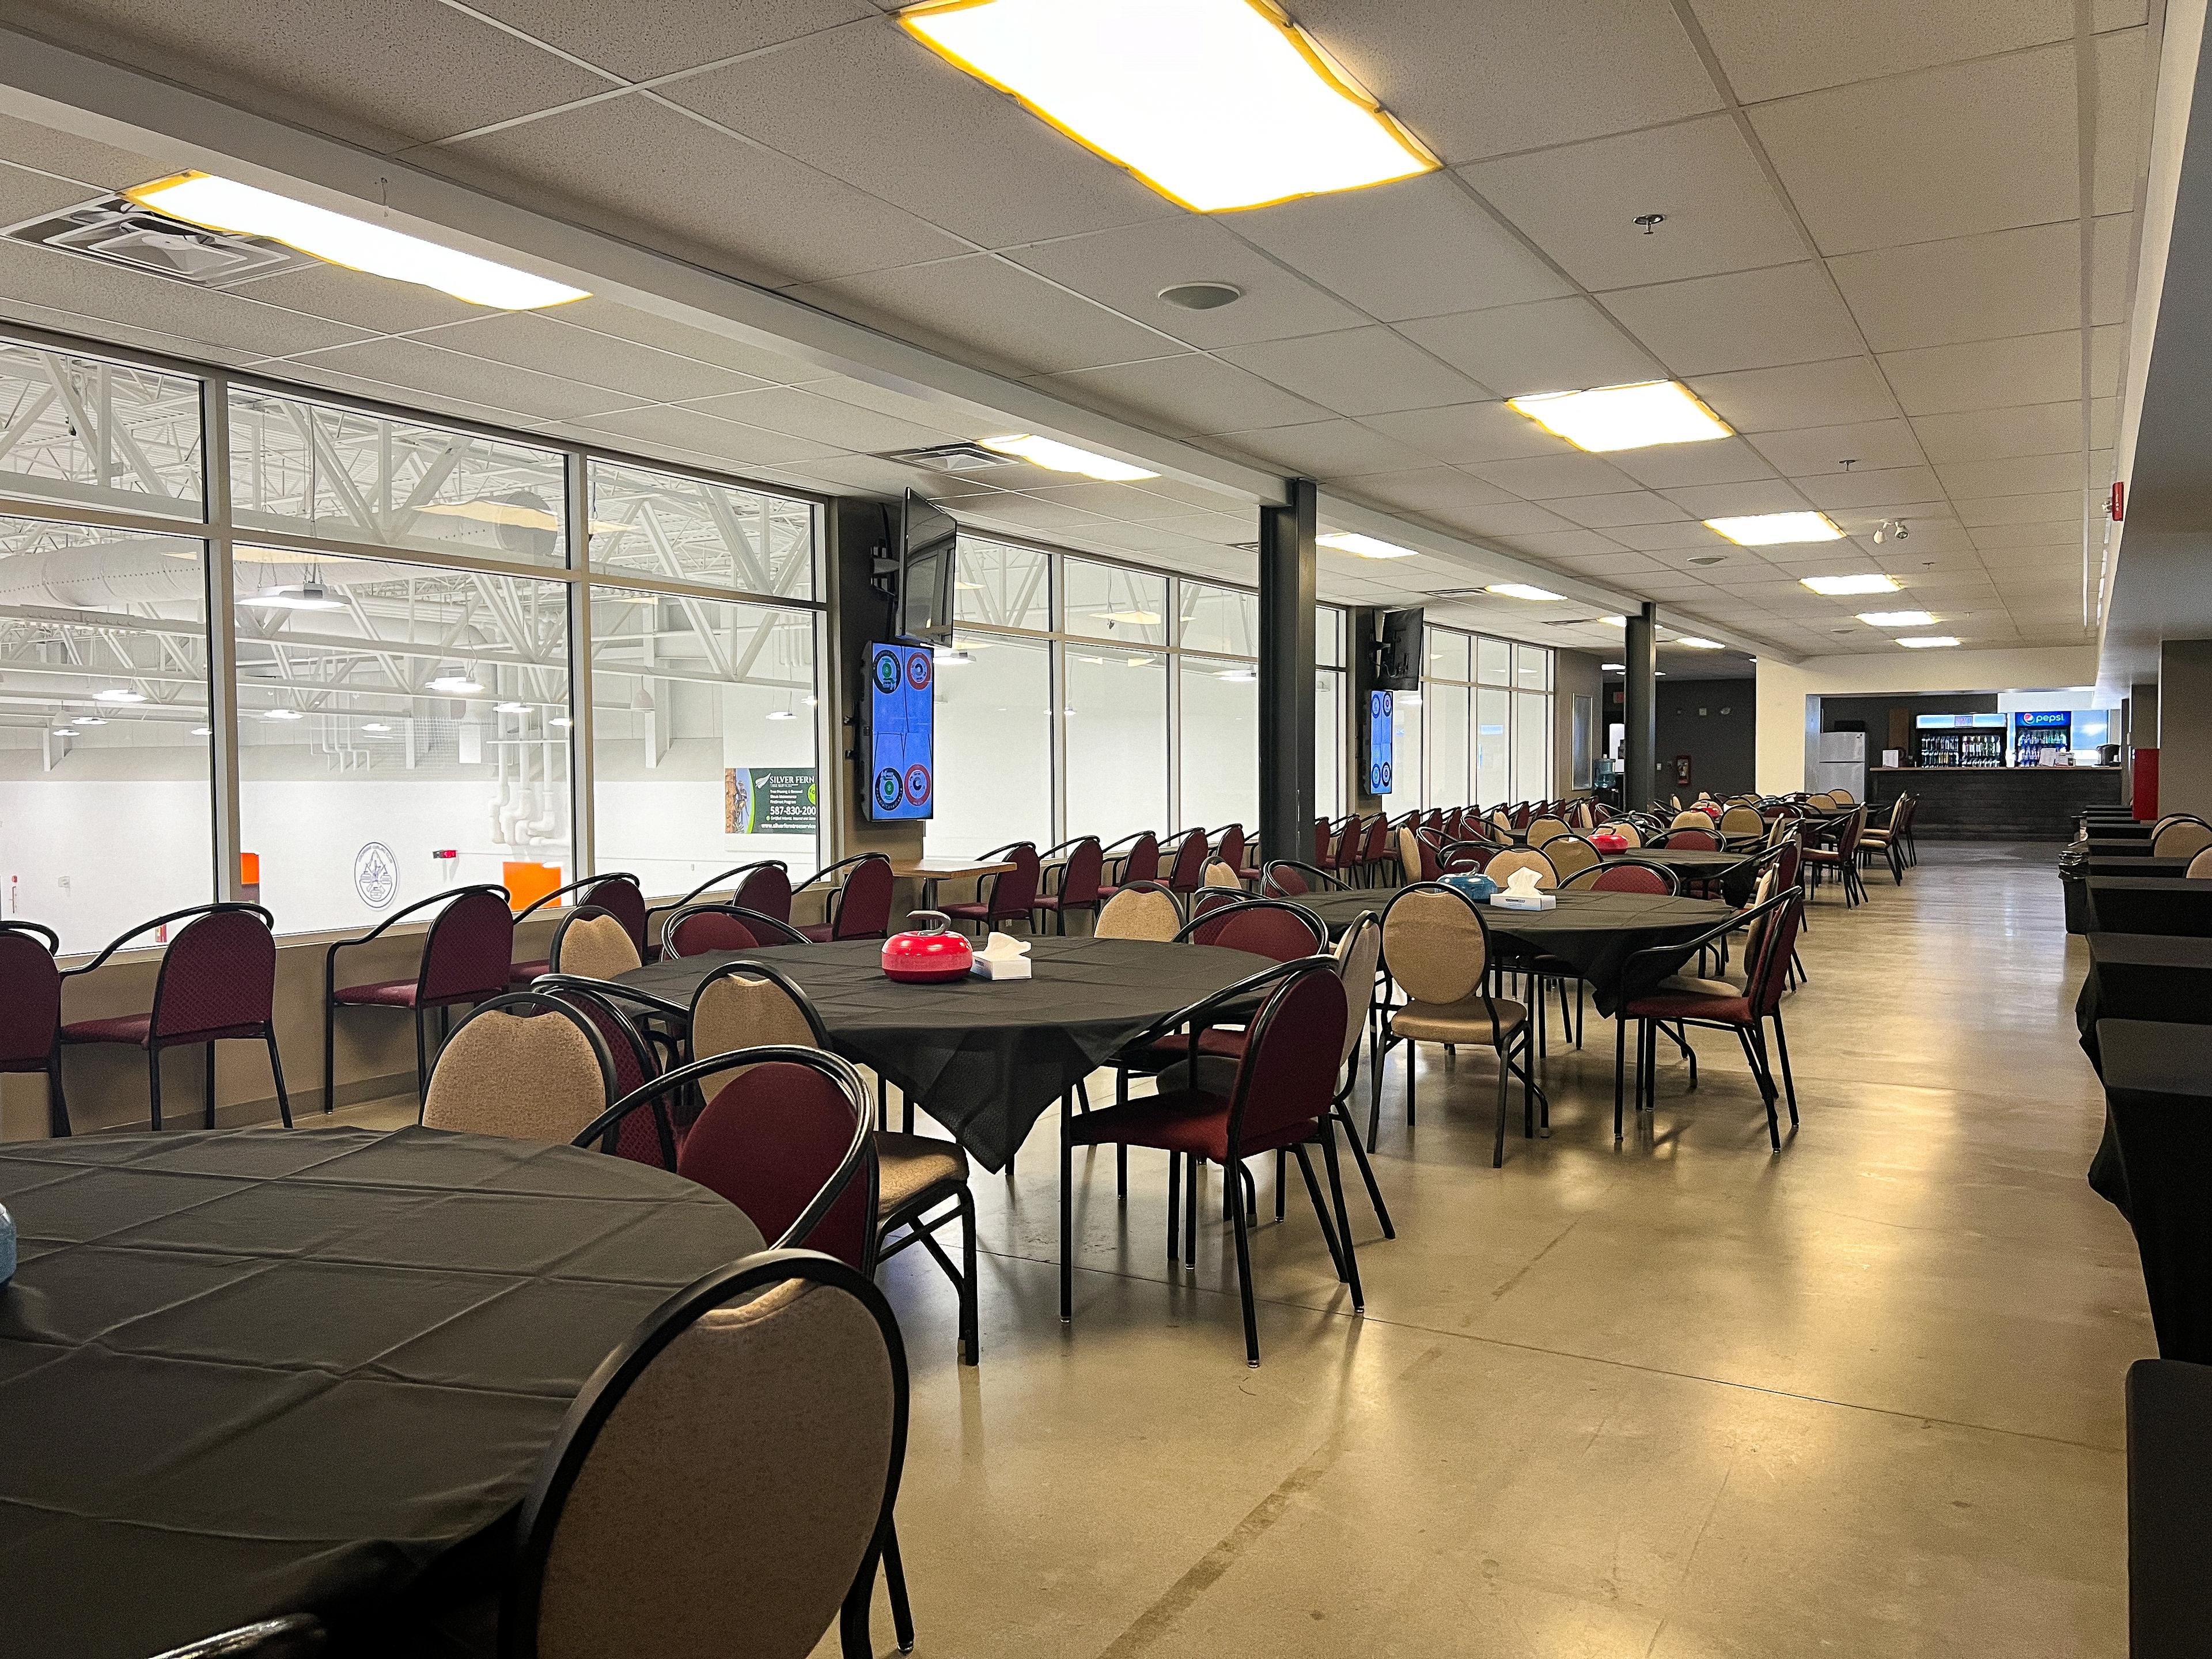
{"points": [[605, 317], [2016, 475], [1422, 489], [1481, 80], [2125, 72], [1990, 434], [985, 311], [875, 107], [759, 215], [1864, 487], [1470, 432], [1504, 519], [28, 195], [1632, 507], [1967, 287], [101, 166], [691, 429], [91, 289], [1580, 203], [1667, 466], [1190, 393], [2064, 534], [409, 363], [1738, 500], [1771, 51], [821, 420], [1551, 345], [1543, 476], [376, 303], [648, 38], [1130, 501], [1326, 449], [1841, 392], [530, 339], [1942, 152], [1447, 252], [1981, 513], [1746, 319], [1127, 269], [1691, 536], [2030, 368], [1873, 445], [1360, 371], [1562, 544]]}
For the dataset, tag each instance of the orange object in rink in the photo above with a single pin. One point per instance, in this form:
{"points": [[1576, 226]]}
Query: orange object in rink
{"points": [[527, 883]]}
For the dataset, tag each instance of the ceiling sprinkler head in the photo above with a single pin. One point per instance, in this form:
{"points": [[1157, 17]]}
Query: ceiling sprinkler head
{"points": [[1648, 222]]}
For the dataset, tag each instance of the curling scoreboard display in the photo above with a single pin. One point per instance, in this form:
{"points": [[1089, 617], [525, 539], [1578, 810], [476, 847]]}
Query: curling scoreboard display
{"points": [[902, 740]]}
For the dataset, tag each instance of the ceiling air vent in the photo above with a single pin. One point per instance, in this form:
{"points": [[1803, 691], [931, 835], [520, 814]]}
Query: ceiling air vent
{"points": [[1243, 547], [1458, 593], [121, 232], [952, 457]]}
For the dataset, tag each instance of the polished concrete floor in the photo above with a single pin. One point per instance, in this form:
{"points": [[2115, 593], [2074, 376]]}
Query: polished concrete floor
{"points": [[1678, 1397]]}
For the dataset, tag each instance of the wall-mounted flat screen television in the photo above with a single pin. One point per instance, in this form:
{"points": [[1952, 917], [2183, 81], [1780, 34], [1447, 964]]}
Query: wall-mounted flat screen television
{"points": [[900, 745], [927, 540], [1398, 652], [1382, 741]]}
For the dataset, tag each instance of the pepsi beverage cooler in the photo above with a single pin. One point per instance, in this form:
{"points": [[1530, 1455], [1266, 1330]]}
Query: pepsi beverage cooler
{"points": [[2039, 733]]}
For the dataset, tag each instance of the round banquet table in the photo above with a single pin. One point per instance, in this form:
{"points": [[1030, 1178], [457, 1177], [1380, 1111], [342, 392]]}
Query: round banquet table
{"points": [[985, 1058], [254, 1372], [1595, 931]]}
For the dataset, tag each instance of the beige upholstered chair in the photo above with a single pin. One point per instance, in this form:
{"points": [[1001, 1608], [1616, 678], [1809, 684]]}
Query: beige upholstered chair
{"points": [[592, 944], [1690, 818], [1571, 855], [1437, 950], [2200, 868], [524, 1066], [1502, 822], [1146, 912], [1626, 830], [1520, 858], [1742, 823], [1541, 831], [760, 1418], [2182, 839], [1219, 874], [1843, 797]]}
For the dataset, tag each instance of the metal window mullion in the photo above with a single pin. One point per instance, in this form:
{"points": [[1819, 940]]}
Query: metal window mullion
{"points": [[1174, 741], [584, 824], [227, 831], [1056, 688]]}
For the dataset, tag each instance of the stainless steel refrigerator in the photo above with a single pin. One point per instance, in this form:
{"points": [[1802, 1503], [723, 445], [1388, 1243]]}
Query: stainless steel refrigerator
{"points": [[1839, 763]]}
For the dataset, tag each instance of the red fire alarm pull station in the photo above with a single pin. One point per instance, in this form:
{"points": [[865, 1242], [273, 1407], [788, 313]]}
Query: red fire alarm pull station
{"points": [[2120, 502]]}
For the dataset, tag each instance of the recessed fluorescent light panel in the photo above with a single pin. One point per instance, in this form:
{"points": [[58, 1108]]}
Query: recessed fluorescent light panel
{"points": [[1697, 644], [1365, 547], [1928, 642], [1612, 667], [1216, 104], [1895, 618], [1777, 529], [339, 239], [1065, 457], [1524, 591], [1624, 416], [1838, 586]]}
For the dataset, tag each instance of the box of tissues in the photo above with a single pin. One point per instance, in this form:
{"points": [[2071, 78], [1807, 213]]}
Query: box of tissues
{"points": [[1003, 957], [1520, 893]]}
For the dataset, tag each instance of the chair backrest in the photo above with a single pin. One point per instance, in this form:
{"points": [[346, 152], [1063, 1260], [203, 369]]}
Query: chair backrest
{"points": [[1321, 842], [1504, 864], [1375, 843], [1358, 959], [620, 896], [786, 1140], [1081, 877], [1742, 821], [1266, 927], [1541, 831], [1229, 849], [1570, 853], [1773, 938], [1841, 796], [1293, 1051], [698, 928], [864, 902], [647, 1137], [1146, 911], [1694, 841], [758, 1416], [1435, 944], [1502, 822], [526, 1066], [1414, 857], [469, 950], [767, 889], [1219, 874], [1626, 830], [2181, 840], [1189, 866], [1628, 878], [747, 1004], [1847, 838], [30, 994], [593, 945], [1142, 861], [1283, 879], [219, 972], [1690, 818]]}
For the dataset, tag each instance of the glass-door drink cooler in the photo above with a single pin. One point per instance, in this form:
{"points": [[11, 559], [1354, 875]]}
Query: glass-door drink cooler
{"points": [[2039, 733], [1960, 739]]}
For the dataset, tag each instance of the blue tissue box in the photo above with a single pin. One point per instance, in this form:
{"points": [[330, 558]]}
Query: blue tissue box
{"points": [[1477, 887]]}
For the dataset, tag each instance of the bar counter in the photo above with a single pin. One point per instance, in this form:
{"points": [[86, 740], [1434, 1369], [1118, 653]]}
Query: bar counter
{"points": [[1996, 803]]}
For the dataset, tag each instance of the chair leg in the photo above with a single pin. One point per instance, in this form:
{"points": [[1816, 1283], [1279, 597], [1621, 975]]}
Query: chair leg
{"points": [[1281, 1172], [421, 1070], [1066, 1216], [895, 1586], [1120, 1147], [971, 1335], [883, 1104], [1244, 1285], [1766, 1090], [1504, 1077], [1343, 1216], [1620, 1065], [1788, 1082], [1190, 1209], [1411, 1046], [209, 1110], [58, 1117], [1374, 1050], [1366, 1171], [154, 1083], [1328, 1227], [1175, 1204], [276, 1074], [329, 1056]]}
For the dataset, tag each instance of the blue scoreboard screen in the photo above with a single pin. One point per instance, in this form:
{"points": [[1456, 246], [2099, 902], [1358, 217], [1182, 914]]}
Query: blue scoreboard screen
{"points": [[901, 746], [1382, 744]]}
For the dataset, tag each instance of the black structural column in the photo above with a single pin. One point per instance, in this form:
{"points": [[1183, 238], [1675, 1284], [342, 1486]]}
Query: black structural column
{"points": [[1289, 589], [1639, 761]]}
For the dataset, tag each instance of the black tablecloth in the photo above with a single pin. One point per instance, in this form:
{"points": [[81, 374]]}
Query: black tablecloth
{"points": [[2165, 977], [2169, 1508], [2152, 904], [2158, 1092], [2136, 869], [986, 1058], [2122, 829], [254, 1372], [2116, 846]]}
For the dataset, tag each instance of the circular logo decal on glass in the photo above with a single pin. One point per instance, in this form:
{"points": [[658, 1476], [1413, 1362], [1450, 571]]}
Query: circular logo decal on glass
{"points": [[917, 785], [375, 875], [887, 673], [920, 668], [1389, 702], [1383, 779], [887, 787]]}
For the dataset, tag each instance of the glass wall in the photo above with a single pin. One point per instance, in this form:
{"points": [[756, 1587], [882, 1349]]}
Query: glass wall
{"points": [[1486, 706], [407, 598], [993, 744]]}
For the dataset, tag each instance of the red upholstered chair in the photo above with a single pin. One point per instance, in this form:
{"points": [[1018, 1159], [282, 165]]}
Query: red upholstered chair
{"points": [[646, 1136], [1689, 841], [698, 928], [1288, 879], [1010, 895], [1077, 876], [764, 886], [467, 957], [1140, 863], [1282, 1095], [1323, 841], [1842, 857], [1375, 850], [861, 906], [1229, 846], [617, 893], [31, 1012], [1187, 873], [1625, 877], [1264, 927], [217, 980]]}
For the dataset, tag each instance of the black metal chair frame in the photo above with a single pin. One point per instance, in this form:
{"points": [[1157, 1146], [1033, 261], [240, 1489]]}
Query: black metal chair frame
{"points": [[538, 1003], [332, 1004], [709, 885], [1233, 899], [288, 1637], [1044, 871], [833, 899], [757, 921], [1313, 874], [155, 1044]]}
